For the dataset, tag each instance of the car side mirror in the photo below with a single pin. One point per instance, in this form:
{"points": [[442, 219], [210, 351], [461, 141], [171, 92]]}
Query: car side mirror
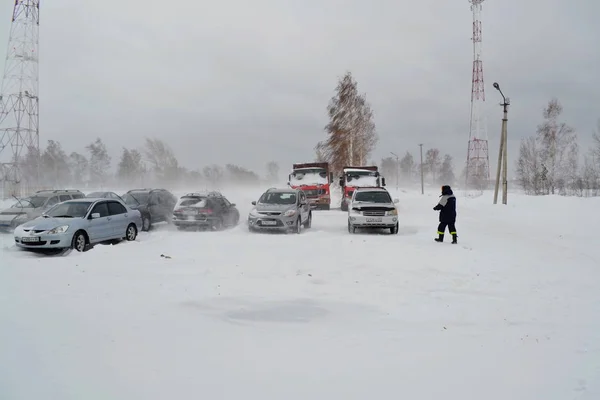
{"points": [[254, 203], [95, 215], [396, 201], [232, 205], [382, 181]]}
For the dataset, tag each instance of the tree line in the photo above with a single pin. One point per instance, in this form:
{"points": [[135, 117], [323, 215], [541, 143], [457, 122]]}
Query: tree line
{"points": [[155, 164], [549, 162]]}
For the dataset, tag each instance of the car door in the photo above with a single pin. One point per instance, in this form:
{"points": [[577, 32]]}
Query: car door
{"points": [[228, 210], [155, 208], [100, 228], [119, 218], [304, 207]]}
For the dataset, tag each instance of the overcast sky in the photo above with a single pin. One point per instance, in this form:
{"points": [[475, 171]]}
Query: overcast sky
{"points": [[246, 82]]}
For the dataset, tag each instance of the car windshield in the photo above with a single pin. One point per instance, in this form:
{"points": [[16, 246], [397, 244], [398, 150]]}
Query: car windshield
{"points": [[28, 202], [76, 209], [192, 201], [373, 197], [134, 199], [278, 198]]}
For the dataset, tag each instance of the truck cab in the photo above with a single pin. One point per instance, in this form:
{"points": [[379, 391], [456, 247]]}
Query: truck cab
{"points": [[315, 180], [355, 177]]}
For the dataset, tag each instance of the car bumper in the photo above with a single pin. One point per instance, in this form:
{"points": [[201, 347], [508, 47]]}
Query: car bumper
{"points": [[192, 221], [320, 202], [272, 223], [387, 221], [44, 241]]}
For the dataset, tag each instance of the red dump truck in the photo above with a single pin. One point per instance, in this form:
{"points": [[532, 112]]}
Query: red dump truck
{"points": [[315, 180], [354, 177]]}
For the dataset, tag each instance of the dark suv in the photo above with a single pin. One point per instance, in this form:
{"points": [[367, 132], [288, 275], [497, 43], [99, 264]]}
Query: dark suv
{"points": [[155, 205], [205, 210]]}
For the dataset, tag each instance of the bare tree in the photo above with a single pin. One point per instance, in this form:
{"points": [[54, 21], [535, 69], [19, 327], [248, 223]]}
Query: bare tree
{"points": [[596, 146], [558, 148], [214, 174], [163, 161], [99, 162], [351, 129], [272, 171], [446, 171], [407, 166], [432, 162], [529, 171]]}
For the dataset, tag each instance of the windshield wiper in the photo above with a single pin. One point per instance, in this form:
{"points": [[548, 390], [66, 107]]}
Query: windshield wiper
{"points": [[62, 216]]}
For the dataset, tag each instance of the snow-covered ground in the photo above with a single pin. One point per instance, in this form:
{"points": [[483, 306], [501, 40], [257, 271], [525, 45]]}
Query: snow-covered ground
{"points": [[511, 312]]}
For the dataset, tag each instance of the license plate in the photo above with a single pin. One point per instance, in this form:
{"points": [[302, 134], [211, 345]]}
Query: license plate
{"points": [[189, 212], [374, 219], [268, 223], [30, 239]]}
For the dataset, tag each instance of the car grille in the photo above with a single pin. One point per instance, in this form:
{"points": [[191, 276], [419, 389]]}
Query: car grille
{"points": [[270, 212], [375, 213], [34, 230]]}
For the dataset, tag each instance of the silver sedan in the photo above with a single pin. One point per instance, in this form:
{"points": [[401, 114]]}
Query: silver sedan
{"points": [[79, 223]]}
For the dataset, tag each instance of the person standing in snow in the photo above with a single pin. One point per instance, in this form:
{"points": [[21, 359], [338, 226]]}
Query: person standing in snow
{"points": [[447, 209]]}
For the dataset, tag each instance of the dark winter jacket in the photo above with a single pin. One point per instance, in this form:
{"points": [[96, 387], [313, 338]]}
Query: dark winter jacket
{"points": [[447, 205]]}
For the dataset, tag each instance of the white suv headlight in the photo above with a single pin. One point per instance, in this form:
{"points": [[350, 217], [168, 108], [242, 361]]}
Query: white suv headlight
{"points": [[392, 212], [289, 213], [59, 229]]}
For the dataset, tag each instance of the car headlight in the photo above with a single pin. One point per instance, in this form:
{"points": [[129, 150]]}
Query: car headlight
{"points": [[289, 213], [392, 212], [354, 212], [254, 213], [59, 229]]}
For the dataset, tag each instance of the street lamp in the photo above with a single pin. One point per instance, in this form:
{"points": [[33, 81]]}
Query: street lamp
{"points": [[397, 168], [502, 154]]}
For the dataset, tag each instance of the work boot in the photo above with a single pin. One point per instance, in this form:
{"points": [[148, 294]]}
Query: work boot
{"points": [[440, 238], [454, 237]]}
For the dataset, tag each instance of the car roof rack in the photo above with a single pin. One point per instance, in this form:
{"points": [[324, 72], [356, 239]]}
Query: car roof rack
{"points": [[59, 191]]}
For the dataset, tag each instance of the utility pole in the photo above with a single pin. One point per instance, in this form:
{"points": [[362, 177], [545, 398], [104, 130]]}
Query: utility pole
{"points": [[503, 153], [422, 184], [397, 168]]}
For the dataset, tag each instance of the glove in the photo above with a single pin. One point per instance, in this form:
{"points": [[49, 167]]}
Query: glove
{"points": [[435, 208]]}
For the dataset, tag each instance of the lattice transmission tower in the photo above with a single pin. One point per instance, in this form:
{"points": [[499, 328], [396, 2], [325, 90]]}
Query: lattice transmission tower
{"points": [[478, 161], [19, 102]]}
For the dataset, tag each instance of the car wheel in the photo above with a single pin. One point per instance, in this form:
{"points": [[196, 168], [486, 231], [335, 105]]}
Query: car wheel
{"points": [[394, 230], [146, 222], [79, 242], [298, 226], [308, 222], [218, 224], [131, 233], [351, 228]]}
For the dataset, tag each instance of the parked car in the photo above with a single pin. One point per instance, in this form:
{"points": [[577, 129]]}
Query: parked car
{"points": [[33, 206], [283, 209], [372, 208], [79, 224], [104, 195], [155, 205], [205, 210]]}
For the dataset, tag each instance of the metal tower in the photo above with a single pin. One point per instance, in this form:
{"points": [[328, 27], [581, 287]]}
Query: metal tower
{"points": [[19, 103], [478, 162]]}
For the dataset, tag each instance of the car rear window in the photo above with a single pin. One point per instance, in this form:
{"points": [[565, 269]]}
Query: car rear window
{"points": [[193, 201]]}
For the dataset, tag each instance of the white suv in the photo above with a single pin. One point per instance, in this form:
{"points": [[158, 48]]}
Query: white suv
{"points": [[372, 208]]}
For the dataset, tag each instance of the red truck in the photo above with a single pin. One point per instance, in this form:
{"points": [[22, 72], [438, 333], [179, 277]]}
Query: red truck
{"points": [[315, 180], [354, 177]]}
